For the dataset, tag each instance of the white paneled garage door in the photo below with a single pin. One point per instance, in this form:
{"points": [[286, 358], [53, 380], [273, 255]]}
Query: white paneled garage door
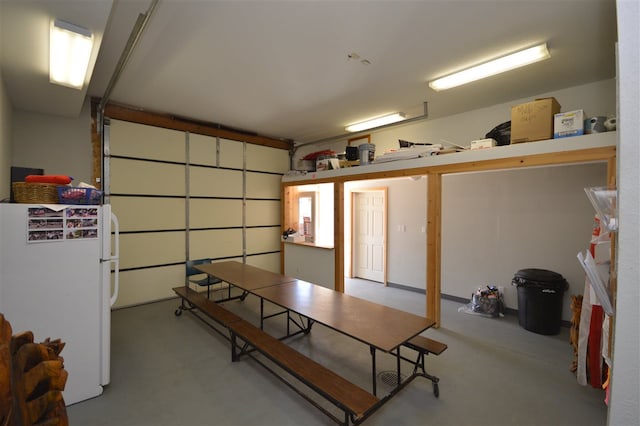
{"points": [[182, 196]]}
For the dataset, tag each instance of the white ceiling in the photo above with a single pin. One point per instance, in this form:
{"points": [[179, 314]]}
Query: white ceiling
{"points": [[282, 68]]}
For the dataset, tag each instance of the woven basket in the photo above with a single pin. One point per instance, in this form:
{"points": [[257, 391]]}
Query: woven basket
{"points": [[35, 193]]}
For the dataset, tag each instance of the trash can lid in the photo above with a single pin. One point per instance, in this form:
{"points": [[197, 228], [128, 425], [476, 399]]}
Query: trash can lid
{"points": [[533, 277]]}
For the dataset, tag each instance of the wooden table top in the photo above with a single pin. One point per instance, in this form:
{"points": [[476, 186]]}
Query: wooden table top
{"points": [[244, 276], [378, 325]]}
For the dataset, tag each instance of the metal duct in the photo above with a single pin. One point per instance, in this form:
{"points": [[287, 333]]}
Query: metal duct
{"points": [[135, 35]]}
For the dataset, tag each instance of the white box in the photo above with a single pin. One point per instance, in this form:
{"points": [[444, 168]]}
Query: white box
{"points": [[322, 164], [293, 238], [566, 124], [327, 164], [483, 143]]}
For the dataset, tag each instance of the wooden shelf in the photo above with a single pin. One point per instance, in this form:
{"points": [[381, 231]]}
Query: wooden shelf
{"points": [[578, 149]]}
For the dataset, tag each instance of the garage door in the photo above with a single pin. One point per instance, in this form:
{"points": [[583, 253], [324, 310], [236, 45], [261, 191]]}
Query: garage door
{"points": [[182, 196]]}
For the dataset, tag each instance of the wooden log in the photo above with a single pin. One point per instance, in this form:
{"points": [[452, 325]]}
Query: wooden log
{"points": [[45, 374], [5, 371], [40, 407], [20, 339], [28, 356], [55, 345], [32, 378]]}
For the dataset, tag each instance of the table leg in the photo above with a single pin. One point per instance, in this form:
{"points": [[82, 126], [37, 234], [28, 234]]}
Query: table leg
{"points": [[234, 356], [398, 365], [373, 367], [261, 312]]}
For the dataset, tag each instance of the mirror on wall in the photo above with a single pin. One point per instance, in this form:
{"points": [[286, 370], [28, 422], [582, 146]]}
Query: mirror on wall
{"points": [[307, 215]]}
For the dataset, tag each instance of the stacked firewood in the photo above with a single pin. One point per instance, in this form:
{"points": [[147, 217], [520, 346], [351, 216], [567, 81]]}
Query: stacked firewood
{"points": [[32, 378]]}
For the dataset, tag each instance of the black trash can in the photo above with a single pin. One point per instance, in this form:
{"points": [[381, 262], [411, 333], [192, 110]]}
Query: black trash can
{"points": [[540, 294]]}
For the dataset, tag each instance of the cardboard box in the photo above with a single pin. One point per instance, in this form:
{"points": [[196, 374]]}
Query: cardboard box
{"points": [[533, 121], [566, 124]]}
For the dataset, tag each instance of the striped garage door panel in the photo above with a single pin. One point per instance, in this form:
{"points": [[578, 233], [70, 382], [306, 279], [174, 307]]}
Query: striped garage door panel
{"points": [[182, 196]]}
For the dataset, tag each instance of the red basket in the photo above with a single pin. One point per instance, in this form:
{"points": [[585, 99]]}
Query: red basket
{"points": [[73, 195]]}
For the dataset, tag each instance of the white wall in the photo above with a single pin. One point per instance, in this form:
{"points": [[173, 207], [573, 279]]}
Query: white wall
{"points": [[597, 98], [494, 223], [406, 229], [625, 382], [5, 151], [56, 144], [319, 271], [5, 140]]}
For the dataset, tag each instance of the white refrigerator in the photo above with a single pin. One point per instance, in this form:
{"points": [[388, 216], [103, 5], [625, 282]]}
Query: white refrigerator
{"points": [[56, 268]]}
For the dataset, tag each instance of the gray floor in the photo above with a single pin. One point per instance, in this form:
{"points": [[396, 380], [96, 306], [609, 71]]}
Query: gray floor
{"points": [[169, 370]]}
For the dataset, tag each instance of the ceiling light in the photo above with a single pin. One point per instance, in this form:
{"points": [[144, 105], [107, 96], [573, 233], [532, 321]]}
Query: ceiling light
{"points": [[69, 52], [496, 66], [375, 122]]}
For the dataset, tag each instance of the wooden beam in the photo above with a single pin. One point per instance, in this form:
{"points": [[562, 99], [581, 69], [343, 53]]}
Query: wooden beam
{"points": [[434, 261], [96, 147], [167, 121], [338, 235], [548, 159], [284, 199]]}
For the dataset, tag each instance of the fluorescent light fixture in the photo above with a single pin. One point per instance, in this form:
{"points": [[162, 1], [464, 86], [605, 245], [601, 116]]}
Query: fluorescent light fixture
{"points": [[496, 66], [69, 52], [375, 122]]}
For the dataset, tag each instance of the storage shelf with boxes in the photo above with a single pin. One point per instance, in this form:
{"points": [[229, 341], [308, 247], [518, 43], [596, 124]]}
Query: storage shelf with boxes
{"points": [[541, 119]]}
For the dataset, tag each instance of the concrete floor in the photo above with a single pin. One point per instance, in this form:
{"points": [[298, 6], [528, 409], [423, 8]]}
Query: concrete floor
{"points": [[169, 370]]}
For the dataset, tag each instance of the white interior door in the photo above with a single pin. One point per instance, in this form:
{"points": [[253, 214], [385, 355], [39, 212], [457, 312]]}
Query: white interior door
{"points": [[369, 243]]}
